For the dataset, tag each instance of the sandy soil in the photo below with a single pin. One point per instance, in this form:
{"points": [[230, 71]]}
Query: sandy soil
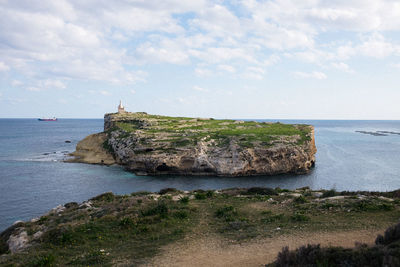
{"points": [[213, 251]]}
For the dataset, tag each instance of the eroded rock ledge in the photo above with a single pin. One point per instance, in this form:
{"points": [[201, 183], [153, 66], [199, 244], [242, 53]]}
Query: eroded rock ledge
{"points": [[158, 145]]}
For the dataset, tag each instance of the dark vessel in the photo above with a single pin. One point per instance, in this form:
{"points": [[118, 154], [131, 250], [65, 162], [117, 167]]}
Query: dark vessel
{"points": [[48, 119]]}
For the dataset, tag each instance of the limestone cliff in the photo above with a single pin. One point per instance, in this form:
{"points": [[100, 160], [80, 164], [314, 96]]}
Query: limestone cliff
{"points": [[157, 145]]}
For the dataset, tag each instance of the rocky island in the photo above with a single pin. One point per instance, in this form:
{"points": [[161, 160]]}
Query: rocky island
{"points": [[158, 145]]}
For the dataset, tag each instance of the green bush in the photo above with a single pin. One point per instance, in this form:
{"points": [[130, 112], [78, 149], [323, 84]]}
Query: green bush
{"points": [[160, 209], [261, 191], [300, 200], [181, 214], [228, 213], [368, 205], [140, 193], [386, 252], [210, 193], [391, 235], [200, 195], [95, 257], [108, 197], [43, 261], [126, 222], [60, 236], [184, 200], [167, 190], [297, 217], [330, 193], [273, 218]]}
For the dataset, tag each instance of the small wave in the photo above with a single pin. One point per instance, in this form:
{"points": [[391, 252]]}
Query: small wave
{"points": [[48, 156]]}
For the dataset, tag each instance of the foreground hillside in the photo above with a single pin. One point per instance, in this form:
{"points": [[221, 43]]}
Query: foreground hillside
{"points": [[233, 227], [157, 145]]}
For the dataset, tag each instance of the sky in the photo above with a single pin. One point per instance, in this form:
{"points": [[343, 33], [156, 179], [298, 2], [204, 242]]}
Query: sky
{"points": [[277, 59]]}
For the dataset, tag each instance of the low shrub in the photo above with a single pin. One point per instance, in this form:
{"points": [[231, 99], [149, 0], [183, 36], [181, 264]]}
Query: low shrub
{"points": [[108, 197], [391, 234], [280, 190], [328, 205], [210, 193], [181, 214], [300, 200], [43, 261], [71, 205], [273, 218], [368, 205], [200, 195], [96, 257], [60, 236], [228, 213], [160, 209], [260, 191], [167, 190], [329, 193], [140, 193], [297, 217], [386, 252], [184, 200], [126, 222]]}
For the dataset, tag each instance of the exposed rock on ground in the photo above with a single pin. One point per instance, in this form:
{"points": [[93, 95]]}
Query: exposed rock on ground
{"points": [[18, 241]]}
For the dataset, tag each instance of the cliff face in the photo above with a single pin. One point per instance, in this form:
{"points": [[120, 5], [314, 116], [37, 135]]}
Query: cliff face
{"points": [[157, 145]]}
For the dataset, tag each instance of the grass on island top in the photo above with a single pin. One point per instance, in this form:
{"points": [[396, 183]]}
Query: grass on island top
{"points": [[131, 229], [183, 131]]}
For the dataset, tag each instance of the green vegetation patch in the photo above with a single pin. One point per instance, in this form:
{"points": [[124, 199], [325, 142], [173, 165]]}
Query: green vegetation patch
{"points": [[164, 133]]}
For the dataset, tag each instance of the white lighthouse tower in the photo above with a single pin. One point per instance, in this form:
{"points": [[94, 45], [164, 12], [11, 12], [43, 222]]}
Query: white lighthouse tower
{"points": [[121, 108]]}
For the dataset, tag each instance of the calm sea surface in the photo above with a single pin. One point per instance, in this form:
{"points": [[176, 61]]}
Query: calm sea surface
{"points": [[34, 180]]}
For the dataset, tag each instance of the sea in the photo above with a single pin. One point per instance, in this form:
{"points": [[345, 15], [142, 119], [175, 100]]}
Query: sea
{"points": [[352, 155]]}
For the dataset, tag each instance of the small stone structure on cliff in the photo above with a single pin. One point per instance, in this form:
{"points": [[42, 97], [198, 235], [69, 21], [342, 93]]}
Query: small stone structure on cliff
{"points": [[121, 108], [157, 145]]}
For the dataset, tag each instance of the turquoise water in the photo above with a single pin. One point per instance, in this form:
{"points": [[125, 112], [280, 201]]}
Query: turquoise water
{"points": [[33, 179]]}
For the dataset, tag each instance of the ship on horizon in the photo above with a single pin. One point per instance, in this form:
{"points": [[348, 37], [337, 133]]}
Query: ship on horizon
{"points": [[48, 119]]}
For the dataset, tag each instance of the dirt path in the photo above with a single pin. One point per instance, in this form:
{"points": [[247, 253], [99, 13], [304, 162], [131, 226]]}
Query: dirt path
{"points": [[213, 251]]}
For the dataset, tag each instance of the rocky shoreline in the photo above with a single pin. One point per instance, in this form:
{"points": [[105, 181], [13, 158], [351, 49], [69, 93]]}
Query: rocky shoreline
{"points": [[160, 145]]}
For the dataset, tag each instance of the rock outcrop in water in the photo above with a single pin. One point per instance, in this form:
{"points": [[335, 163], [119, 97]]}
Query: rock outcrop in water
{"points": [[157, 145]]}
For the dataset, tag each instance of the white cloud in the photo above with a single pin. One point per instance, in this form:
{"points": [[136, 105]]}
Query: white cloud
{"points": [[376, 46], [15, 83], [53, 84], [314, 75], [105, 93], [167, 51], [223, 54], [34, 89], [254, 73], [133, 91], [227, 68], [271, 60], [3, 67], [342, 66], [200, 89], [203, 72], [111, 41], [218, 21]]}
